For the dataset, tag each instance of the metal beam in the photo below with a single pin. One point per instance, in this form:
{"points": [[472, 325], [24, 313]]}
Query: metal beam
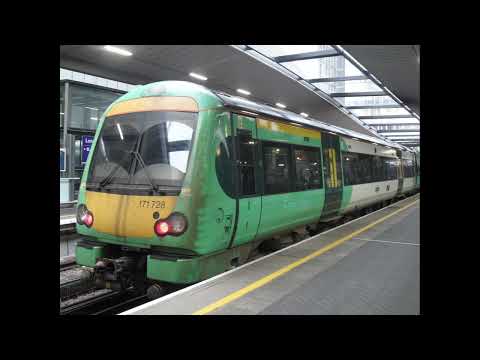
{"points": [[308, 55], [354, 94], [403, 138], [383, 124], [399, 130], [385, 117], [374, 107], [340, 78]]}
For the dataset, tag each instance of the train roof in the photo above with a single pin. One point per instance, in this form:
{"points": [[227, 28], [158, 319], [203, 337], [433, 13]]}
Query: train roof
{"points": [[251, 106]]}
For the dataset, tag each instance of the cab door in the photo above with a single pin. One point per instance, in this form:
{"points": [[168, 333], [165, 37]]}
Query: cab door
{"points": [[332, 170], [249, 201]]}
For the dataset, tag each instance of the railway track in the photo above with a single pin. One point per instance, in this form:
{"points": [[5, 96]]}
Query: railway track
{"points": [[107, 303]]}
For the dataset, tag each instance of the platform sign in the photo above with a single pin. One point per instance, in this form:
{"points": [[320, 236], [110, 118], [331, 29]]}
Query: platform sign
{"points": [[87, 141], [62, 160]]}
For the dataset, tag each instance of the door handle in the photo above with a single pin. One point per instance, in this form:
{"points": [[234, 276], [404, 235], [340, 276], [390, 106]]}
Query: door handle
{"points": [[228, 222]]}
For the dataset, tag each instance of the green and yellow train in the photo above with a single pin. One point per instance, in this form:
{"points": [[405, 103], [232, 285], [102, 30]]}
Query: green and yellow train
{"points": [[183, 183]]}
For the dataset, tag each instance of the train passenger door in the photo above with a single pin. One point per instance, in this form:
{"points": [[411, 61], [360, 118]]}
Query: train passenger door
{"points": [[249, 199], [400, 172], [332, 171]]}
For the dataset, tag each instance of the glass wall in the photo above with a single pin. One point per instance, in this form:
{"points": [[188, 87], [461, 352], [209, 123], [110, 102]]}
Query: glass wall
{"points": [[81, 107], [88, 105]]}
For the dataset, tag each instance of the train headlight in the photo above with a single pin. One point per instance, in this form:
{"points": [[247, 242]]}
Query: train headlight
{"points": [[84, 216], [175, 225]]}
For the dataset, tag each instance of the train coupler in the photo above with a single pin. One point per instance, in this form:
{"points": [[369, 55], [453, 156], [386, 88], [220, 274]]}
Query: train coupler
{"points": [[114, 274]]}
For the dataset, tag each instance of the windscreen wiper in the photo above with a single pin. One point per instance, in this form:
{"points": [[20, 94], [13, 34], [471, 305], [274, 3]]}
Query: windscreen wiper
{"points": [[109, 177], [140, 160]]}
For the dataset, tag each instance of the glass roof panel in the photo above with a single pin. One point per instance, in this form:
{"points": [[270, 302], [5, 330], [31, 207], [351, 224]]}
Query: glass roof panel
{"points": [[280, 50], [379, 112], [397, 127], [348, 86], [411, 120], [324, 67], [406, 133], [401, 137], [366, 100]]}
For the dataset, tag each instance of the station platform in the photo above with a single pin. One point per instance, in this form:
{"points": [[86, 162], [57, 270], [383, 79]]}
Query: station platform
{"points": [[67, 216], [370, 265]]}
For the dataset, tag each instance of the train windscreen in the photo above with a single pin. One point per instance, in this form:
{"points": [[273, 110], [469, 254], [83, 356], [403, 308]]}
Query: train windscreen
{"points": [[144, 148]]}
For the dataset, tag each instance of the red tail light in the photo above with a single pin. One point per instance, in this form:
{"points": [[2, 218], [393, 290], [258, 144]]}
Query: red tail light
{"points": [[175, 224], [161, 228], [87, 219], [84, 216]]}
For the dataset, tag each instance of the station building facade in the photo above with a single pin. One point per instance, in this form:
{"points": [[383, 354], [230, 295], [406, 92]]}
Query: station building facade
{"points": [[83, 99]]}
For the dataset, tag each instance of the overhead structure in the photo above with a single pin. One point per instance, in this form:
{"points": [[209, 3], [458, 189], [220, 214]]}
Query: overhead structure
{"points": [[337, 76], [321, 82]]}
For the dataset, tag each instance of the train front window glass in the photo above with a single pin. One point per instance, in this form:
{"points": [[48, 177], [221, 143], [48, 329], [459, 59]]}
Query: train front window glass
{"points": [[307, 169], [277, 168], [162, 139]]}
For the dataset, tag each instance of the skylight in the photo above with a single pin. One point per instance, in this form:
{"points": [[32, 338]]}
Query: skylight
{"points": [[335, 75]]}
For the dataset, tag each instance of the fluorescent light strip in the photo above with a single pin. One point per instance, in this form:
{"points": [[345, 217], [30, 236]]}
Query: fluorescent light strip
{"points": [[245, 92], [198, 76], [62, 113], [93, 118], [120, 130], [304, 114], [91, 108], [117, 50], [280, 105]]}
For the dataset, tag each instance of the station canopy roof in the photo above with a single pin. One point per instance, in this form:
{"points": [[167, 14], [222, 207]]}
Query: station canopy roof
{"points": [[378, 97]]}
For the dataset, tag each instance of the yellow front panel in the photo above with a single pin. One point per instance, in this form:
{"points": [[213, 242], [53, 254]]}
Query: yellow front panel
{"points": [[127, 215], [154, 103], [287, 129]]}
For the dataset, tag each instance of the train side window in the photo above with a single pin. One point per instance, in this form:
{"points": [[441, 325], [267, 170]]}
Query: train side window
{"points": [[391, 168], [349, 168], [377, 167], [308, 173], [276, 167], [246, 161], [365, 168]]}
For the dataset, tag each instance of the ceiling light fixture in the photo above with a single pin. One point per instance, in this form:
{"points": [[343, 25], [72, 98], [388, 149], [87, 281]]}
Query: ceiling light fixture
{"points": [[245, 92], [117, 50], [304, 114], [280, 105], [198, 76]]}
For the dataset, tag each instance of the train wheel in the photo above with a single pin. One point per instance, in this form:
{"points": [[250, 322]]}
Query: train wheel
{"points": [[155, 291]]}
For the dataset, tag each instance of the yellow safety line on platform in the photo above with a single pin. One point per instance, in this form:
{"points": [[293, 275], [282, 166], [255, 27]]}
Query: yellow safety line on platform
{"points": [[265, 280]]}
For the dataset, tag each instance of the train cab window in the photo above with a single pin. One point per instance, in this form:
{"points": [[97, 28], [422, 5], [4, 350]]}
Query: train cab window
{"points": [[246, 161], [277, 168], [307, 169]]}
